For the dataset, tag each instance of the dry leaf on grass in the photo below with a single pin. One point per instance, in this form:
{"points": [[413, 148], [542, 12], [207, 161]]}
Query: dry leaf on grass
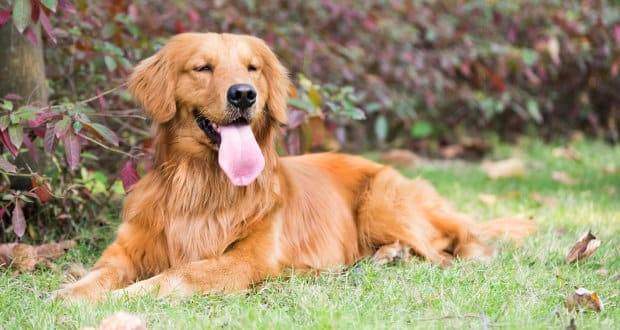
{"points": [[602, 272], [488, 199], [466, 148], [120, 321], [611, 169], [544, 200], [400, 157], [583, 299], [25, 257], [512, 167], [584, 248], [564, 178], [566, 153]]}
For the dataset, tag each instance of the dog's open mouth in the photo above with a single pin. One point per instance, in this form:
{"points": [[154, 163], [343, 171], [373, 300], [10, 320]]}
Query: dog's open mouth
{"points": [[238, 154]]}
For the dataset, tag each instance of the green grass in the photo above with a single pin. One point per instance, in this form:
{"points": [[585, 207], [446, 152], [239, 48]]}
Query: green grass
{"points": [[522, 288]]}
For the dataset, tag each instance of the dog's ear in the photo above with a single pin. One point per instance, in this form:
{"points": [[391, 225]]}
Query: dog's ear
{"points": [[152, 83], [278, 81]]}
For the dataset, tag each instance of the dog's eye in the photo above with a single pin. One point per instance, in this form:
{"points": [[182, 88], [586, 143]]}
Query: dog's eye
{"points": [[252, 68], [204, 68]]}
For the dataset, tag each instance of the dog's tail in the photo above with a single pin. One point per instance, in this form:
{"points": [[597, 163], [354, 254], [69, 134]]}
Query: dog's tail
{"points": [[514, 229]]}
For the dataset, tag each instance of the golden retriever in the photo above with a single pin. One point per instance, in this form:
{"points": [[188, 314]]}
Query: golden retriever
{"points": [[221, 211]]}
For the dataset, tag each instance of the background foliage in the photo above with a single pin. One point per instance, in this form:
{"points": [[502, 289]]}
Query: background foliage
{"points": [[423, 75]]}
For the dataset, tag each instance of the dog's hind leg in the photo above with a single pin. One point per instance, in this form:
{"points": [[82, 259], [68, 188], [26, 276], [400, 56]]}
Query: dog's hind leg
{"points": [[391, 213]]}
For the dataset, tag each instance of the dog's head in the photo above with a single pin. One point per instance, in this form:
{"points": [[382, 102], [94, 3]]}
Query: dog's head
{"points": [[215, 93]]}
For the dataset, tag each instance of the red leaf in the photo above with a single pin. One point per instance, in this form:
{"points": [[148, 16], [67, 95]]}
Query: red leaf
{"points": [[293, 143], [66, 6], [5, 15], [42, 189], [18, 220], [6, 141], [47, 26], [129, 175], [34, 13], [42, 118], [32, 149], [100, 100], [179, 27], [6, 166], [49, 140], [72, 149], [132, 12], [193, 16], [13, 96], [296, 118], [31, 36], [616, 33]]}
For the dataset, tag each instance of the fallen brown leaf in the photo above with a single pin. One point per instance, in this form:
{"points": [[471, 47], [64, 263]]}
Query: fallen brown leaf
{"points": [[512, 167], [564, 178], [602, 272], [121, 321], [582, 299], [583, 248], [566, 153], [25, 257], [544, 200], [400, 157], [488, 199], [611, 169], [452, 151]]}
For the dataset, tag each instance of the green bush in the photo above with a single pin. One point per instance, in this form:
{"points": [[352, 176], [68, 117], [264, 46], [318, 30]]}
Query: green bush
{"points": [[367, 73]]}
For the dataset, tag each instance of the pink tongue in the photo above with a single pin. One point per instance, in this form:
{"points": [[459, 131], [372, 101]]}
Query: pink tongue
{"points": [[239, 155]]}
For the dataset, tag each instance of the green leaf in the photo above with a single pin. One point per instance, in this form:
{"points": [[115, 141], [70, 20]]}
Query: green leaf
{"points": [[61, 127], [22, 10], [529, 57], [301, 104], [77, 126], [5, 121], [7, 105], [381, 128], [534, 111], [105, 133], [110, 63], [26, 112], [16, 133], [50, 4], [421, 129]]}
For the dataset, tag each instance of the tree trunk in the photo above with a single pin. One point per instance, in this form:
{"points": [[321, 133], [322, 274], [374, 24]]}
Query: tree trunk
{"points": [[22, 72], [22, 69]]}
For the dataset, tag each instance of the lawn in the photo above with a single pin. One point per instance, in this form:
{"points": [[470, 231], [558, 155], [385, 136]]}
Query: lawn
{"points": [[522, 288]]}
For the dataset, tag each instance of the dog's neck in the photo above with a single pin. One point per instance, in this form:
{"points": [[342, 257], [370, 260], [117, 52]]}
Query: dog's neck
{"points": [[198, 184]]}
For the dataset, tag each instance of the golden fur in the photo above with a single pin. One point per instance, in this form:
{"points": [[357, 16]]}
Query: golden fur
{"points": [[187, 229]]}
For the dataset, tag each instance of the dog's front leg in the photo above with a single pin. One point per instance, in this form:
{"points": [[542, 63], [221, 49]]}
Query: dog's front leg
{"points": [[249, 261], [126, 259]]}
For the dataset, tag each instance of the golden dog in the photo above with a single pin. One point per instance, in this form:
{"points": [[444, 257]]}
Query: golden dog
{"points": [[221, 211]]}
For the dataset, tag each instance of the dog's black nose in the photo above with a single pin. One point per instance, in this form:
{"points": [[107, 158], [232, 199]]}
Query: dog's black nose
{"points": [[241, 96]]}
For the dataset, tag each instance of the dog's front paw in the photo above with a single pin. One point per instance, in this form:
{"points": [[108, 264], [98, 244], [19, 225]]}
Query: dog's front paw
{"points": [[76, 293], [89, 289], [163, 285]]}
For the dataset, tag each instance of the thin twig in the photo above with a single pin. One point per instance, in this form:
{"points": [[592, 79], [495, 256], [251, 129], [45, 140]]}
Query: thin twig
{"points": [[109, 91], [106, 147], [26, 175]]}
